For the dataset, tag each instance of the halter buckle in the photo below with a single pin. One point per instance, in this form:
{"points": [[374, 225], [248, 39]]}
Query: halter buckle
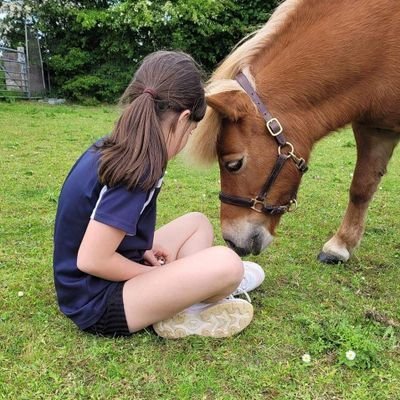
{"points": [[271, 128], [255, 203]]}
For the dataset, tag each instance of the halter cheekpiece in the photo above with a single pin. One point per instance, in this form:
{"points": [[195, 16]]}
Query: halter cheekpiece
{"points": [[285, 152]]}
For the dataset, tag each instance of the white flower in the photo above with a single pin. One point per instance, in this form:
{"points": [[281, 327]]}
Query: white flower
{"points": [[350, 355], [20, 294], [306, 358]]}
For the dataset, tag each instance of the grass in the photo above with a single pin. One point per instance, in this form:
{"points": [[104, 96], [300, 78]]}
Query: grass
{"points": [[302, 307]]}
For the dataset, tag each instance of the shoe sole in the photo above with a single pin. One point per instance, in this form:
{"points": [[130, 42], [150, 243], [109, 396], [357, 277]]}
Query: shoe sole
{"points": [[218, 321]]}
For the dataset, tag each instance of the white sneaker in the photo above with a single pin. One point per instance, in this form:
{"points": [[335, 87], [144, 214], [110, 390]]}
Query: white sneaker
{"points": [[253, 277], [222, 319]]}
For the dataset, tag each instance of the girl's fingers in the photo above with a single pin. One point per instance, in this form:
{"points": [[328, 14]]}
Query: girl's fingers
{"points": [[151, 258]]}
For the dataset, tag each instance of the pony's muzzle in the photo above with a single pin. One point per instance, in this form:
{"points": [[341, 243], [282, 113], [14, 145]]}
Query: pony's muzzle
{"points": [[246, 238]]}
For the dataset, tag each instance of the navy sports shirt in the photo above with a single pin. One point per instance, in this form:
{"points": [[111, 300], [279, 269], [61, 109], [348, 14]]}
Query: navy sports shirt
{"points": [[83, 297]]}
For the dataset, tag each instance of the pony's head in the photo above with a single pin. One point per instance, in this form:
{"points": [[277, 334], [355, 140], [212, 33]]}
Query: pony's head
{"points": [[234, 133]]}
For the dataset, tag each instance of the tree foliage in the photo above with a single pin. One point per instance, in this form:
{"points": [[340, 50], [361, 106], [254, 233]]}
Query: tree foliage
{"points": [[91, 47]]}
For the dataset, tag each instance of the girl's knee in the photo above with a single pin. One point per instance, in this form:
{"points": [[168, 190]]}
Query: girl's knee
{"points": [[228, 263], [201, 222], [200, 218]]}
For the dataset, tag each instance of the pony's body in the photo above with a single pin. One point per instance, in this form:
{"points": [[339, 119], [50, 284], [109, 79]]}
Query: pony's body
{"points": [[317, 65]]}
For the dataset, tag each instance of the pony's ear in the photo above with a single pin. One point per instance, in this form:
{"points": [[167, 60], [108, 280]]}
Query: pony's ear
{"points": [[233, 104]]}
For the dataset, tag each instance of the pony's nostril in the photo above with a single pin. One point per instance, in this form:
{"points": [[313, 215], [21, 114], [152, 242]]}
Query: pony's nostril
{"points": [[256, 237], [239, 250]]}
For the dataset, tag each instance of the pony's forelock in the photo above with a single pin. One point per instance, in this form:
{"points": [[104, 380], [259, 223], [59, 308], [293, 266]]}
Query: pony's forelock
{"points": [[202, 144], [201, 148]]}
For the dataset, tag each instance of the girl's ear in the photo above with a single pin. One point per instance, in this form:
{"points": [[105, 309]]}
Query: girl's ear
{"points": [[184, 116]]}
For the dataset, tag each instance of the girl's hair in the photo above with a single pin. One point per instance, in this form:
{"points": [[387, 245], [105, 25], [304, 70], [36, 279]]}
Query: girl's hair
{"points": [[135, 153]]}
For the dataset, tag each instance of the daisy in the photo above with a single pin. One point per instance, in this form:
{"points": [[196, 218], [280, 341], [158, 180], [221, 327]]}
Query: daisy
{"points": [[350, 355]]}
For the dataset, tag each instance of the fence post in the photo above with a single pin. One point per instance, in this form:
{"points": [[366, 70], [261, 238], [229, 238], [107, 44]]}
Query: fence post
{"points": [[23, 70]]}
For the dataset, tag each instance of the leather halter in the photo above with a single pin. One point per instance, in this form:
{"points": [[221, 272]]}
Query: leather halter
{"points": [[275, 129]]}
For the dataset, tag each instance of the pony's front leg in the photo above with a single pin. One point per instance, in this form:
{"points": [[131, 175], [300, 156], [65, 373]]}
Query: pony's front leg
{"points": [[374, 149]]}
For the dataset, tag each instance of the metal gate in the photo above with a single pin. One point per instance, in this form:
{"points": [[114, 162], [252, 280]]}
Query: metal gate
{"points": [[14, 73]]}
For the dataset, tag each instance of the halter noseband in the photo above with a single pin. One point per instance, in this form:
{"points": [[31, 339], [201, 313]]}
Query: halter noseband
{"points": [[275, 129]]}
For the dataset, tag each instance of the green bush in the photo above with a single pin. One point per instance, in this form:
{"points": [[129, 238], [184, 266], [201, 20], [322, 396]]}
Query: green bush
{"points": [[83, 87]]}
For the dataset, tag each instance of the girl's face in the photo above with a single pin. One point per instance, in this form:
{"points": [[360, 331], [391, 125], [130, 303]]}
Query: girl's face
{"points": [[176, 139]]}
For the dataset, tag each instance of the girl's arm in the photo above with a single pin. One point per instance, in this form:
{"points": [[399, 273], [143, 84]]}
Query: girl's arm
{"points": [[97, 254]]}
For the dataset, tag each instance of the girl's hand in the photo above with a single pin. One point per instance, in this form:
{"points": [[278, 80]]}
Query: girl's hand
{"points": [[157, 256], [150, 258]]}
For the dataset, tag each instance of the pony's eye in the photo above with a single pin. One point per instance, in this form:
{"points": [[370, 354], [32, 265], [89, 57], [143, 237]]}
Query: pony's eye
{"points": [[234, 166]]}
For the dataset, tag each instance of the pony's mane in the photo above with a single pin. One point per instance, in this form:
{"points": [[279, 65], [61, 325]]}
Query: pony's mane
{"points": [[202, 146], [250, 46]]}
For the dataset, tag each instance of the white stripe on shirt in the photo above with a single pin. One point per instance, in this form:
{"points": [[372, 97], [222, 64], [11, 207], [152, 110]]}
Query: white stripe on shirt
{"points": [[103, 190], [159, 183]]}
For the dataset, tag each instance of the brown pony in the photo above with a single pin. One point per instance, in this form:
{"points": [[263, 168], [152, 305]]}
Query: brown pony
{"points": [[317, 65]]}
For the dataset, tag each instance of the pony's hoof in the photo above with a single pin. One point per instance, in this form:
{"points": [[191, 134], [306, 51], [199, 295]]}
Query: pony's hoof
{"points": [[327, 258]]}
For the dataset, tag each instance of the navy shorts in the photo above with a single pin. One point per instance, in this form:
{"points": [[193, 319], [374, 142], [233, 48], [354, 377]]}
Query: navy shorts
{"points": [[113, 322]]}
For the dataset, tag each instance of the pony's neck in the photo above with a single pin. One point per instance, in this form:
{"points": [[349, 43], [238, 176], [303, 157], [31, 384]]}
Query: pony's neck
{"points": [[317, 75]]}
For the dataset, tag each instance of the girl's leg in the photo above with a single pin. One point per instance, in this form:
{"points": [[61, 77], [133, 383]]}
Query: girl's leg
{"points": [[185, 235], [207, 276], [199, 274]]}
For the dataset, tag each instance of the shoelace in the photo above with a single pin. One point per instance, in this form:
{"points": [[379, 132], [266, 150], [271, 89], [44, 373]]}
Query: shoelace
{"points": [[238, 292]]}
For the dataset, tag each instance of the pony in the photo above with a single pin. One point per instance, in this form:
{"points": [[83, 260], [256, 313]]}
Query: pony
{"points": [[314, 67]]}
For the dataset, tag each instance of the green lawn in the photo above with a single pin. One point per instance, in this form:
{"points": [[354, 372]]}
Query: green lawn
{"points": [[302, 307]]}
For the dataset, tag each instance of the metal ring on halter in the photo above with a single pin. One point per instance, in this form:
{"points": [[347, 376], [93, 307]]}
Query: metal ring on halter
{"points": [[290, 152], [254, 206]]}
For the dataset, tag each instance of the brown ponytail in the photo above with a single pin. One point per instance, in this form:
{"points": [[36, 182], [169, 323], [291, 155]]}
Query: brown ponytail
{"points": [[135, 153]]}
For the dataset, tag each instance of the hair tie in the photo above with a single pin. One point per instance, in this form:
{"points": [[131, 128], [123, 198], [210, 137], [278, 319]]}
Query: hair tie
{"points": [[151, 92]]}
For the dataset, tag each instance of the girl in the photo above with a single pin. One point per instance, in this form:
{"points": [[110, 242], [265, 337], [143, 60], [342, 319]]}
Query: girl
{"points": [[114, 274]]}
